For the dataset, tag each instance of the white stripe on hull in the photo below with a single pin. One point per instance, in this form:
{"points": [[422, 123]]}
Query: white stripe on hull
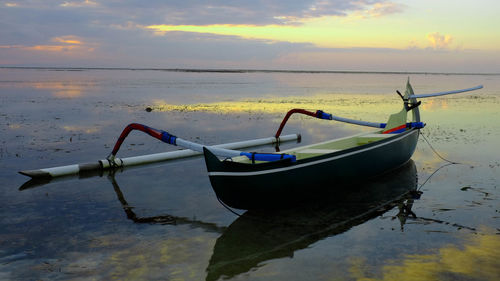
{"points": [[298, 166]]}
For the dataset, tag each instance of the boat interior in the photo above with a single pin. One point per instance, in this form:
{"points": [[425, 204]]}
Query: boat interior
{"points": [[330, 146], [337, 145]]}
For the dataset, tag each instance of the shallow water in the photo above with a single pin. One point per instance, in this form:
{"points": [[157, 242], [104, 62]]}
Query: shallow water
{"points": [[163, 221]]}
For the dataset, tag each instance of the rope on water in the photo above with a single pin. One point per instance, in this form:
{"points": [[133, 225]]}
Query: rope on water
{"points": [[429, 177], [441, 157], [434, 150]]}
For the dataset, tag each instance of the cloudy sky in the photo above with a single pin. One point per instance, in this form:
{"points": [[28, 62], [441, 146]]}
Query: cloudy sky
{"points": [[361, 35]]}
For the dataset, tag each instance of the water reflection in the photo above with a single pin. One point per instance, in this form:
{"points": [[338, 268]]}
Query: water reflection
{"points": [[261, 235], [160, 219], [65, 89], [476, 259]]}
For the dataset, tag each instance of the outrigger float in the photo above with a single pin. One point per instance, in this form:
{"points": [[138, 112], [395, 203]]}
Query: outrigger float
{"points": [[247, 180]]}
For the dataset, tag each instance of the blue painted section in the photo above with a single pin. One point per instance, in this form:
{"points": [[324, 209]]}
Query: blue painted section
{"points": [[323, 115], [168, 138], [418, 125], [269, 157], [410, 125]]}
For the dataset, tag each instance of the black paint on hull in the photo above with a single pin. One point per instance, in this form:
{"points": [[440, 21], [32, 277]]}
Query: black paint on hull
{"points": [[253, 186]]}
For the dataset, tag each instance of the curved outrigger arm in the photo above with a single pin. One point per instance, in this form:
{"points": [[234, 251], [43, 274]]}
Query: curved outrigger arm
{"points": [[174, 140], [327, 116]]}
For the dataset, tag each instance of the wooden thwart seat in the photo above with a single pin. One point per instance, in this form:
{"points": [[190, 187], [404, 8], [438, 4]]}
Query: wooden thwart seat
{"points": [[317, 151], [364, 139]]}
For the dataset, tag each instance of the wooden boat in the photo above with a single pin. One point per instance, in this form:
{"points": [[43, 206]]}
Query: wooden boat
{"points": [[241, 184], [245, 183]]}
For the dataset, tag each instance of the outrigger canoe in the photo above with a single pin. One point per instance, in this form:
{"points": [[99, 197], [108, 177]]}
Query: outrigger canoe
{"points": [[249, 180], [244, 182]]}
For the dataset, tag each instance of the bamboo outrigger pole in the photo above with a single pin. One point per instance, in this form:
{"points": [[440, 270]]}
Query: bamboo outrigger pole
{"points": [[105, 164]]}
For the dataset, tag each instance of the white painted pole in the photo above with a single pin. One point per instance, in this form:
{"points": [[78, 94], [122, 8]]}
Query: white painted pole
{"points": [[146, 159], [446, 93]]}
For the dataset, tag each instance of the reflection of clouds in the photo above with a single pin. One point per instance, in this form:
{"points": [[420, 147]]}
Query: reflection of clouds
{"points": [[477, 259], [171, 259], [85, 129], [14, 126], [125, 257], [61, 89], [435, 104], [423, 154]]}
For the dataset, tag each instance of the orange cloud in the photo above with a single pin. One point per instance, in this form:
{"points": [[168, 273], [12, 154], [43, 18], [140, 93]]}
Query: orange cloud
{"points": [[50, 48], [70, 39], [377, 10], [11, 46], [85, 3], [68, 43], [439, 41], [385, 8]]}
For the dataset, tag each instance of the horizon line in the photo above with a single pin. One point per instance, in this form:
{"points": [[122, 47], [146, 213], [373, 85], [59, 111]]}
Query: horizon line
{"points": [[244, 70]]}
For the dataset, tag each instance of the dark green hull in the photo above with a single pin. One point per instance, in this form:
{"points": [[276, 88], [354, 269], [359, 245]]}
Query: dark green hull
{"points": [[251, 186]]}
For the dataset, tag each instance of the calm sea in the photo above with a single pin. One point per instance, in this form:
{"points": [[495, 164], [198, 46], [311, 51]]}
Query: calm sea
{"points": [[164, 222]]}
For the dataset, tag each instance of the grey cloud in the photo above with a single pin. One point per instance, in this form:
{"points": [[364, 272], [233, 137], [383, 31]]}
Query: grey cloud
{"points": [[109, 25], [197, 12], [236, 12], [34, 22]]}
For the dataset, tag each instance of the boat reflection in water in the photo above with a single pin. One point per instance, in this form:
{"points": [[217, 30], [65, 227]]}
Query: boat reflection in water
{"points": [[260, 235], [161, 219]]}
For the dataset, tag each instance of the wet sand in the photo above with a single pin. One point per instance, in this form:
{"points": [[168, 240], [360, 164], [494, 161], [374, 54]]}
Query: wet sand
{"points": [[163, 221]]}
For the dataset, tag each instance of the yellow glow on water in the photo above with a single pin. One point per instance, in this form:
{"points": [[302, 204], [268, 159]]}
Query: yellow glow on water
{"points": [[477, 259], [173, 259], [434, 104], [376, 106], [14, 126]]}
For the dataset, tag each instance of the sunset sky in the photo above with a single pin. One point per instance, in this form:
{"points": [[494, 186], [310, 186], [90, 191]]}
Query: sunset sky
{"points": [[362, 35]]}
